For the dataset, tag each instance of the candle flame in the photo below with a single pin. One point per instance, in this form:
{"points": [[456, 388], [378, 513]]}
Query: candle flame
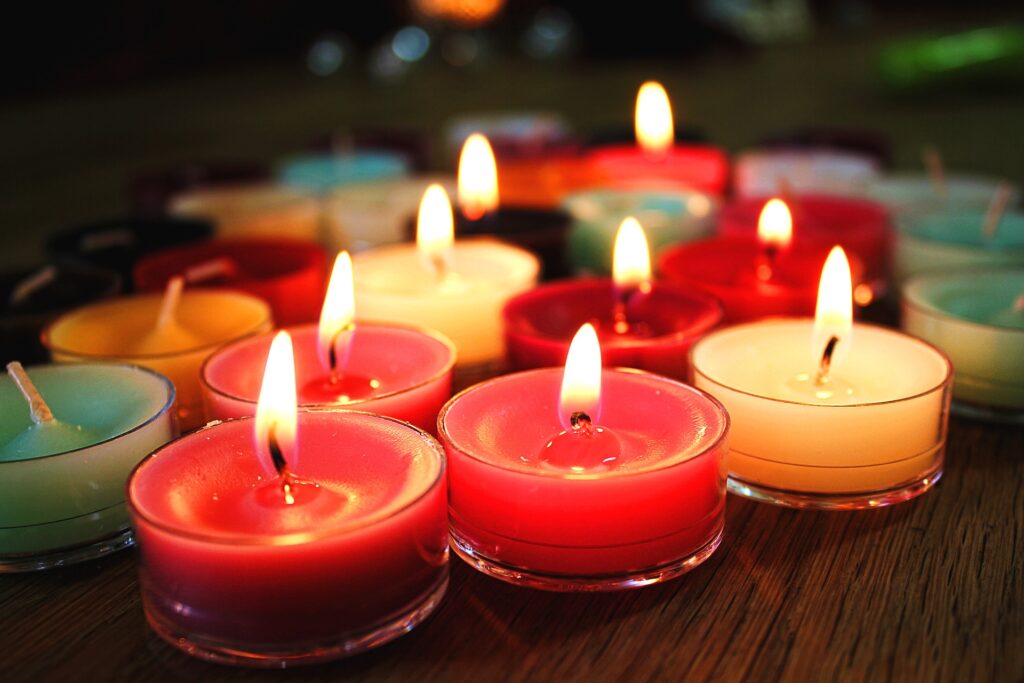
{"points": [[631, 262], [654, 128], [276, 410], [581, 381], [478, 178], [435, 228], [339, 311], [775, 225], [833, 315]]}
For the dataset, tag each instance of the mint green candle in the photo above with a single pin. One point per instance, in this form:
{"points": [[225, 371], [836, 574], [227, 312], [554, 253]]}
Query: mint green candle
{"points": [[62, 481], [668, 217], [977, 318], [914, 193], [941, 241]]}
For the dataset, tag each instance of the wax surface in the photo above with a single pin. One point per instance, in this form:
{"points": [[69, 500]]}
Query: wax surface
{"points": [[369, 544], [942, 241], [254, 210], [662, 325], [410, 371], [908, 193], [889, 430], [767, 172]]}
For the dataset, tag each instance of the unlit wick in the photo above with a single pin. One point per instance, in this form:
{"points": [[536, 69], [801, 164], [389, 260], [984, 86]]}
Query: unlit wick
{"points": [[996, 209], [933, 164], [172, 295], [37, 407]]}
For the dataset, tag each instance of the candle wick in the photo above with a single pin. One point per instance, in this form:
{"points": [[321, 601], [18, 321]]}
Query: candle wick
{"points": [[37, 408], [208, 270], [826, 361], [332, 352], [32, 283], [933, 163], [438, 263], [996, 209], [1018, 305], [764, 268], [169, 305], [580, 422], [280, 464]]}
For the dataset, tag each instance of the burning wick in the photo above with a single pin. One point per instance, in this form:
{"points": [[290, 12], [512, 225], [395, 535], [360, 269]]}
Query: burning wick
{"points": [[280, 464], [766, 258], [332, 352], [37, 407], [826, 361], [581, 422]]}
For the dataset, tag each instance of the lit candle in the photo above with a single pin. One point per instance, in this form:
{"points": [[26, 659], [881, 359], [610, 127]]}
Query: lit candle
{"points": [[254, 210], [584, 479], [977, 317], [172, 333], [457, 288], [754, 277], [69, 436], [288, 274], [642, 324], [656, 160], [825, 413], [291, 538], [386, 369]]}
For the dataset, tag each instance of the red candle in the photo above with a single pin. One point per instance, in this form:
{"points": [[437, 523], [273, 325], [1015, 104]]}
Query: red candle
{"points": [[655, 160], [288, 274], [322, 536], [641, 324], [615, 481], [753, 278], [860, 226]]}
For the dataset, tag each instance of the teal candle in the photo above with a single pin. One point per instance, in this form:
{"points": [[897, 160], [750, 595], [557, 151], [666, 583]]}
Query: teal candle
{"points": [[324, 172], [62, 481], [941, 241], [915, 193], [668, 216], [977, 318]]}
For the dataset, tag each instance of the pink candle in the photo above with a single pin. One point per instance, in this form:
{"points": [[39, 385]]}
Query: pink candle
{"points": [[322, 536], [590, 489]]}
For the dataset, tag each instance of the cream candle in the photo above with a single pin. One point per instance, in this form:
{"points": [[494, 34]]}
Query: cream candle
{"points": [[65, 456], [977, 317], [827, 414], [455, 287], [254, 210], [766, 172]]}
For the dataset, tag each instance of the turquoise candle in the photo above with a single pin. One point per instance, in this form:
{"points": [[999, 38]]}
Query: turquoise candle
{"points": [[941, 241], [914, 193], [62, 481], [668, 217], [977, 318], [324, 172]]}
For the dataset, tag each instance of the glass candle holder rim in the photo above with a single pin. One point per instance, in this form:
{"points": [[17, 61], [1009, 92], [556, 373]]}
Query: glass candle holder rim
{"points": [[48, 344], [513, 325], [171, 396], [682, 193], [297, 246], [193, 203], [718, 440], [908, 229], [298, 538], [913, 297], [946, 379], [434, 335]]}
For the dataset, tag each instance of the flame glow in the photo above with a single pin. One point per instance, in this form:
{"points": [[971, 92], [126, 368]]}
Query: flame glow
{"points": [[775, 225], [478, 178], [631, 261], [435, 227], [833, 315], [581, 381], [339, 311], [654, 127], [276, 410]]}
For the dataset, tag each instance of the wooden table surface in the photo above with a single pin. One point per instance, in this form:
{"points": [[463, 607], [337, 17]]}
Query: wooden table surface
{"points": [[925, 591]]}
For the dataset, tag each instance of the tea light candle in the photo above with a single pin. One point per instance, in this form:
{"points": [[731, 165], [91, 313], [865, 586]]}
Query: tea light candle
{"points": [[962, 239], [172, 333], [820, 416], [291, 538], [914, 193], [641, 324], [152, 191], [614, 481], [289, 275], [386, 369], [457, 288], [324, 172], [807, 171], [69, 436], [254, 210], [655, 160], [769, 276], [669, 217], [977, 317]]}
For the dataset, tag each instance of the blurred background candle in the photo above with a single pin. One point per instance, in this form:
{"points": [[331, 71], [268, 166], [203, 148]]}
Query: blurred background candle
{"points": [[151, 192], [612, 481], [385, 369], [806, 171], [291, 538], [977, 318], [915, 193], [171, 332], [455, 287], [641, 324], [875, 145], [290, 275], [322, 173], [827, 414], [254, 210], [64, 460]]}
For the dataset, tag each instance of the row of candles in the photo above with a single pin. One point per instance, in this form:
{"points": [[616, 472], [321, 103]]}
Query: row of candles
{"points": [[288, 530]]}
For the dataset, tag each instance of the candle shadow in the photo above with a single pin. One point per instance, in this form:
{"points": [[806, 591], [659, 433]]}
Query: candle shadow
{"points": [[26, 588]]}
